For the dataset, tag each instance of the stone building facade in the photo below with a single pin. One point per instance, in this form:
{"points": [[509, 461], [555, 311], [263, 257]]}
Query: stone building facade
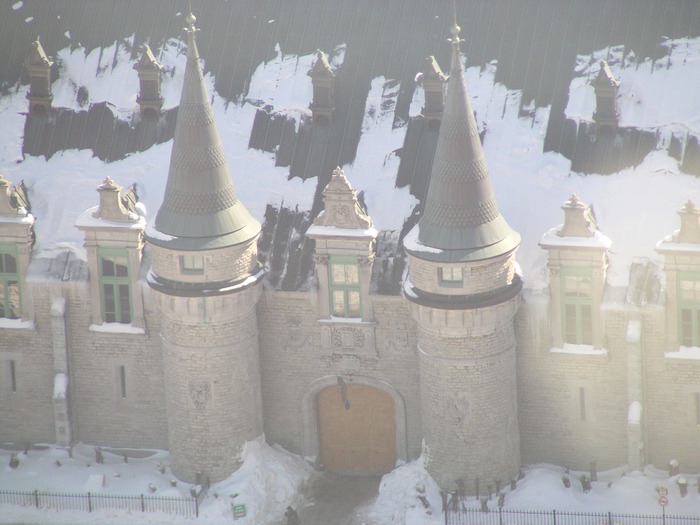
{"points": [[166, 338]]}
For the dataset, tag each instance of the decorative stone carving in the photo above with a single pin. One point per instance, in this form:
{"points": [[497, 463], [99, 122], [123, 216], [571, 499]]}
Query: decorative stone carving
{"points": [[321, 259], [200, 393], [348, 338], [341, 207]]}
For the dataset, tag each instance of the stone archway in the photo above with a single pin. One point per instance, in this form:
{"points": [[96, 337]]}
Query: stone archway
{"points": [[367, 437]]}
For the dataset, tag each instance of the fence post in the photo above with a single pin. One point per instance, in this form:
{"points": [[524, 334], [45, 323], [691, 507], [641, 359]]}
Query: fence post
{"points": [[89, 502], [143, 504], [36, 498], [610, 519], [554, 517], [196, 507]]}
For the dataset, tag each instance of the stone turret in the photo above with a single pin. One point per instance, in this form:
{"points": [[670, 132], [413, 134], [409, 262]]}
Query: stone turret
{"points": [[433, 81], [207, 281], [605, 86], [323, 81], [39, 67], [463, 293], [149, 100]]}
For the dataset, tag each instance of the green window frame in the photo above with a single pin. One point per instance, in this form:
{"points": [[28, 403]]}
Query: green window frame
{"points": [[689, 308], [192, 264], [344, 280], [10, 284], [115, 285], [577, 305], [451, 276]]}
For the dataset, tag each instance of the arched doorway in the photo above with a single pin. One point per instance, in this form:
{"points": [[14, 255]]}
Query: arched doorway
{"points": [[356, 428]]}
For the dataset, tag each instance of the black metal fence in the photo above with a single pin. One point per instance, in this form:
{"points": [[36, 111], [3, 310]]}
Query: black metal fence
{"points": [[502, 516], [90, 502]]}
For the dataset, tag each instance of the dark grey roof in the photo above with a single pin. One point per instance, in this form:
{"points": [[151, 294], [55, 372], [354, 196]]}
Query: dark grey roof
{"points": [[200, 208], [461, 220]]}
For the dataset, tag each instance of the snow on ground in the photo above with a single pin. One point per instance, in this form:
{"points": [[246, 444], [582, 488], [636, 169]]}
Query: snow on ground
{"points": [[269, 479], [619, 491]]}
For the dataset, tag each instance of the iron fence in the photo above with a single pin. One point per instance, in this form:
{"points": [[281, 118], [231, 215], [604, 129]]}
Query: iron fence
{"points": [[502, 516], [90, 502]]}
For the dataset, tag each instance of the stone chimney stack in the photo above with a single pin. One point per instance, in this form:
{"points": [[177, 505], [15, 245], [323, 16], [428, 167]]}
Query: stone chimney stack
{"points": [[433, 81], [690, 224], [578, 220], [150, 100], [605, 86], [39, 67], [111, 207], [323, 81]]}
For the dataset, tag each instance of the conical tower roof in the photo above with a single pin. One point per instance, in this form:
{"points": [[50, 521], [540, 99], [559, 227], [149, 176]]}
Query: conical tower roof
{"points": [[200, 208], [460, 220]]}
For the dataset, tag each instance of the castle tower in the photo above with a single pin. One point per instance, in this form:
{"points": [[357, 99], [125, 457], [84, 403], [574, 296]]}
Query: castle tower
{"points": [[605, 86], [206, 280], [149, 100], [39, 67], [323, 81], [463, 293], [433, 81]]}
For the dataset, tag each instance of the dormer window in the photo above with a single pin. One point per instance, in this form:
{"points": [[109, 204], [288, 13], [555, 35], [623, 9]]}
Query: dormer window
{"points": [[689, 308], [10, 296], [450, 276], [115, 285], [577, 305], [345, 287], [192, 264]]}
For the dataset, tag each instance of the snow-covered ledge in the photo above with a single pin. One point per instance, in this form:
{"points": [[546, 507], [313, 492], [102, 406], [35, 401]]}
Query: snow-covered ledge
{"points": [[17, 324], [689, 353], [117, 328], [573, 349]]}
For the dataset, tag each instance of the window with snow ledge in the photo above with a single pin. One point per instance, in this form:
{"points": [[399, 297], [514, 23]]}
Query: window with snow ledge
{"points": [[17, 324], [117, 328], [690, 353], [579, 349], [689, 308]]}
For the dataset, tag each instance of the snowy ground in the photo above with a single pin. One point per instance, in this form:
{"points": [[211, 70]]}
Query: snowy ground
{"points": [[272, 478]]}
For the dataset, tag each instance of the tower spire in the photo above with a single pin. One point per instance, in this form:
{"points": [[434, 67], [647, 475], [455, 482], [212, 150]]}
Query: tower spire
{"points": [[460, 220], [200, 207]]}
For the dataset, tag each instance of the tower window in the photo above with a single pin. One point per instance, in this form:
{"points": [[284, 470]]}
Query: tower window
{"points": [[192, 263], [582, 403], [450, 276], [577, 306], [689, 308], [115, 285], [10, 295], [345, 287]]}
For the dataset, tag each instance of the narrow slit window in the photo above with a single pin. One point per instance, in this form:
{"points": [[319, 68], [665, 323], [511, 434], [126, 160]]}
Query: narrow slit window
{"points": [[13, 375], [697, 408], [122, 381], [582, 403]]}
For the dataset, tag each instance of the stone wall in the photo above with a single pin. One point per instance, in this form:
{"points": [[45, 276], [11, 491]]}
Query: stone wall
{"points": [[572, 405], [293, 358]]}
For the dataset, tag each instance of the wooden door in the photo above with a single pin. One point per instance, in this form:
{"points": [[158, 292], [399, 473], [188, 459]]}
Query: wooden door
{"points": [[356, 434]]}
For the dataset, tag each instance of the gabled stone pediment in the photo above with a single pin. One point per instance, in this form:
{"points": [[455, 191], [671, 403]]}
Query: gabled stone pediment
{"points": [[37, 57], [342, 209], [147, 61]]}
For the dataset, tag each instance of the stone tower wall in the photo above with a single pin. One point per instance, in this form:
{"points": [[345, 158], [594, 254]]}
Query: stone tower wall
{"points": [[211, 367], [468, 394]]}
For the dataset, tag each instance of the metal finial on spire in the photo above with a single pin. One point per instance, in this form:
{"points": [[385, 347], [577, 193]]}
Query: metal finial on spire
{"points": [[455, 29], [190, 19]]}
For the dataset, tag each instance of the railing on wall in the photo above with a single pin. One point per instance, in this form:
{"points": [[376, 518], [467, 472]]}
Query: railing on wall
{"points": [[502, 516], [91, 502]]}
